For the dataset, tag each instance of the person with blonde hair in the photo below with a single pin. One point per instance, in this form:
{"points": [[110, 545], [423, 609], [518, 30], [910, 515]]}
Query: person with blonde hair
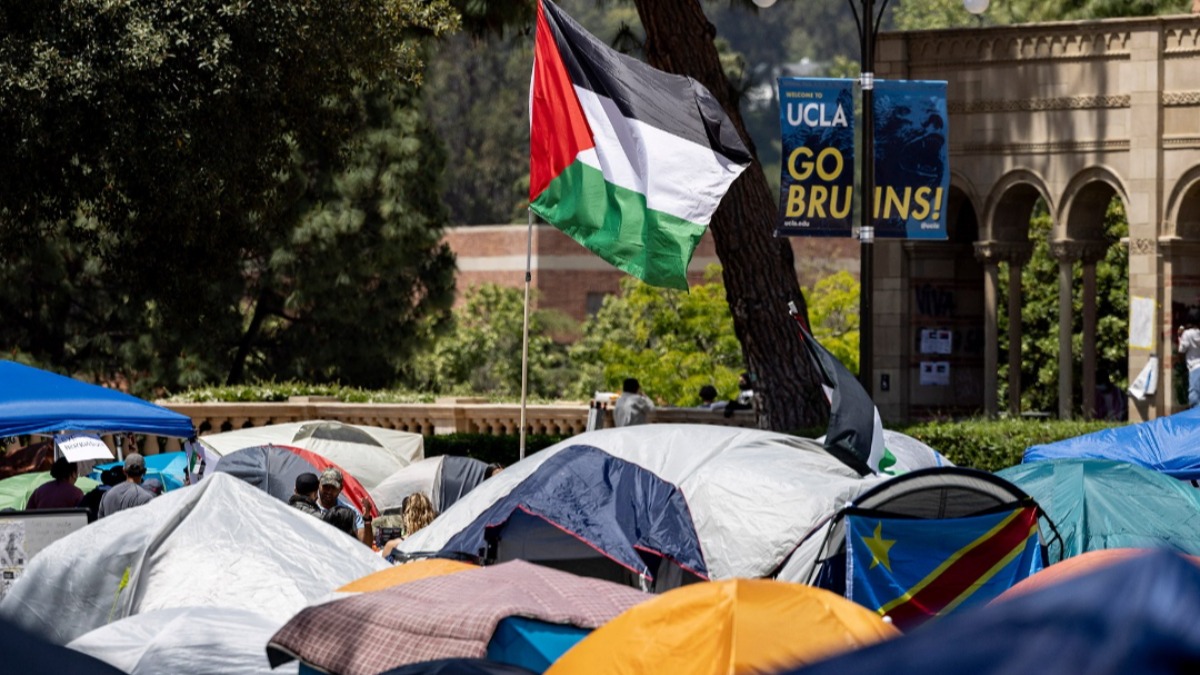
{"points": [[416, 511]]}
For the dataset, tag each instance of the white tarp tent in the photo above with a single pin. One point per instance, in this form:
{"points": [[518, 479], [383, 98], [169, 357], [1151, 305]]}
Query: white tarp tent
{"points": [[369, 453], [752, 494], [221, 543], [193, 640]]}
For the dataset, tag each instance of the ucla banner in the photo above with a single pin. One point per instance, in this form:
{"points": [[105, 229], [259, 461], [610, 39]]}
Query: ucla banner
{"points": [[817, 185], [912, 161], [913, 570]]}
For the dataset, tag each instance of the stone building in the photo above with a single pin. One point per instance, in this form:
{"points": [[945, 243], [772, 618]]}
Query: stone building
{"points": [[1072, 114]]}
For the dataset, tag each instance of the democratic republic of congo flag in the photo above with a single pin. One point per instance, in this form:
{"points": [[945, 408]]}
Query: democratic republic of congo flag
{"points": [[628, 160], [913, 570]]}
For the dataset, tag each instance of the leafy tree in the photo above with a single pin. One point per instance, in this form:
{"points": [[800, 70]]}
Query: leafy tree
{"points": [[923, 14], [1039, 315], [833, 310], [481, 353], [673, 342], [145, 145]]}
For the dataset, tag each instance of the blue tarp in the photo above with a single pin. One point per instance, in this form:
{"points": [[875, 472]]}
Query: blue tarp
{"points": [[167, 467], [1168, 444], [615, 507], [532, 644], [1137, 616], [34, 401]]}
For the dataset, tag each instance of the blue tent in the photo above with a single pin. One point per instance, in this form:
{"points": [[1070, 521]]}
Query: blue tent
{"points": [[34, 401], [1168, 444], [1137, 616], [590, 513], [167, 467]]}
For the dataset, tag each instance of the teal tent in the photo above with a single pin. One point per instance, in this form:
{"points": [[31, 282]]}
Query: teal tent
{"points": [[1101, 504]]}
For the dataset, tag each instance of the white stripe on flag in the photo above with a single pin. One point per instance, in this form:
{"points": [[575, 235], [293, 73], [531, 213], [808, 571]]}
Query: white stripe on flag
{"points": [[678, 177]]}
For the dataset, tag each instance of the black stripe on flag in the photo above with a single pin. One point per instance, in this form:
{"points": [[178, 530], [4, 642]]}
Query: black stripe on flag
{"points": [[675, 104], [851, 410]]}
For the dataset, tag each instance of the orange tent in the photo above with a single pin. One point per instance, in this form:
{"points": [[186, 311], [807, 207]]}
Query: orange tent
{"points": [[401, 574], [726, 627], [1073, 567]]}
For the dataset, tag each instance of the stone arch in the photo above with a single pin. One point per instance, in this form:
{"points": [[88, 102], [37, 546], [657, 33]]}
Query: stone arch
{"points": [[1183, 207], [1011, 203], [1085, 202], [962, 218]]}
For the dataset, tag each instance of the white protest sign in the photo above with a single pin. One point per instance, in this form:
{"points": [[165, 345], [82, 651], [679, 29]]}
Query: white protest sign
{"points": [[80, 447]]}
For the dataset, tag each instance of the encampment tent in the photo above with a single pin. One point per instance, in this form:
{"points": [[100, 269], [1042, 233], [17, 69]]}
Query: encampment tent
{"points": [[221, 543], [1170, 445], [274, 468], [1098, 504], [444, 479], [35, 401], [924, 544], [654, 505], [370, 453], [15, 491]]}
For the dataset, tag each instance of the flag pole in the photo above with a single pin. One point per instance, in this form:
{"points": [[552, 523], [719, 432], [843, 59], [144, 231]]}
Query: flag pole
{"points": [[525, 331]]}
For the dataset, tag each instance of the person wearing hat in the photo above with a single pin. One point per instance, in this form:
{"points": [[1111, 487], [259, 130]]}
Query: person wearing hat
{"points": [[59, 493], [130, 493], [329, 498]]}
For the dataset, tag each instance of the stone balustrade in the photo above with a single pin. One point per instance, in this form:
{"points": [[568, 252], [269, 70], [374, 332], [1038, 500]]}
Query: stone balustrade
{"points": [[444, 417]]}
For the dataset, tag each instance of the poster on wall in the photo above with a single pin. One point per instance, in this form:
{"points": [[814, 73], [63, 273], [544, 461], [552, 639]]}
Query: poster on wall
{"points": [[1141, 323], [912, 159], [817, 179]]}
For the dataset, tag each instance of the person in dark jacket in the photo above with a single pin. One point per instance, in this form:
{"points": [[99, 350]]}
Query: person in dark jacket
{"points": [[305, 496], [108, 478]]}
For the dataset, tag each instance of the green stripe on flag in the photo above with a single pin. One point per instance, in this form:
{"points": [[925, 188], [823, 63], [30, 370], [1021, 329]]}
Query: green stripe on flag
{"points": [[614, 223]]}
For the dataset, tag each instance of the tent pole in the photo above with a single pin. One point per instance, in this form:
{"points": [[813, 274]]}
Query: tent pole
{"points": [[525, 331]]}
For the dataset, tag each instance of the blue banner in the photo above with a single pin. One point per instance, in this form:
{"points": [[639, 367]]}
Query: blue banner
{"points": [[912, 570], [912, 160], [817, 184]]}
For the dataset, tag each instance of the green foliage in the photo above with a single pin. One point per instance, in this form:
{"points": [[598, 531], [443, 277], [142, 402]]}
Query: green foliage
{"points": [[274, 392], [833, 312], [673, 342], [481, 352], [1039, 315], [991, 445]]}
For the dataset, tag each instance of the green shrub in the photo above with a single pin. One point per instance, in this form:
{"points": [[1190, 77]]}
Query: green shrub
{"points": [[992, 445], [500, 449]]}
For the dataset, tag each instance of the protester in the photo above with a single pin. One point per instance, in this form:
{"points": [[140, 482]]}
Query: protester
{"points": [[329, 495], [745, 397], [59, 493], [1189, 346], [108, 478], [708, 398], [130, 493], [492, 469], [633, 406], [305, 496], [417, 512]]}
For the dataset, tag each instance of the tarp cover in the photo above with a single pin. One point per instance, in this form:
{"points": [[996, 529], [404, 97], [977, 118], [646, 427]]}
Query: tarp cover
{"points": [[1168, 444], [1099, 504], [370, 453], [221, 543], [752, 494], [167, 467], [615, 506], [34, 401], [1133, 617], [453, 615], [186, 640]]}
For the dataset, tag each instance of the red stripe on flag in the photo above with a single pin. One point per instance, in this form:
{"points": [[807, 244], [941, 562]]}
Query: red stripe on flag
{"points": [[958, 578], [558, 129]]}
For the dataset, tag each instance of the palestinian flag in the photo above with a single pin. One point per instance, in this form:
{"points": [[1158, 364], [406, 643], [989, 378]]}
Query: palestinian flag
{"points": [[628, 160], [855, 432]]}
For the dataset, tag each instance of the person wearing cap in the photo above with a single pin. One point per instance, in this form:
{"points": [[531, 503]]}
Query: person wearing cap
{"points": [[329, 496], [130, 493], [59, 493], [305, 496]]}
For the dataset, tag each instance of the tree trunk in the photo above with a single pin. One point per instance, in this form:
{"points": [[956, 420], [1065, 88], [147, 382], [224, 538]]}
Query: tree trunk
{"points": [[759, 269]]}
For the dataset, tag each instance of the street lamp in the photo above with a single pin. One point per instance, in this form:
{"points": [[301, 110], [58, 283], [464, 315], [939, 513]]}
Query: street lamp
{"points": [[868, 31]]}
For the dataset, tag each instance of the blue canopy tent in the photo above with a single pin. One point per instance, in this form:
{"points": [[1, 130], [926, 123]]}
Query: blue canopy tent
{"points": [[34, 401], [1169, 444]]}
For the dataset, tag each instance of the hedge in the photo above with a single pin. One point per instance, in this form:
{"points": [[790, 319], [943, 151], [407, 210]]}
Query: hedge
{"points": [[989, 445]]}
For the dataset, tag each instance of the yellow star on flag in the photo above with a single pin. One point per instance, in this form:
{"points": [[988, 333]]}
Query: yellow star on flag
{"points": [[879, 548]]}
